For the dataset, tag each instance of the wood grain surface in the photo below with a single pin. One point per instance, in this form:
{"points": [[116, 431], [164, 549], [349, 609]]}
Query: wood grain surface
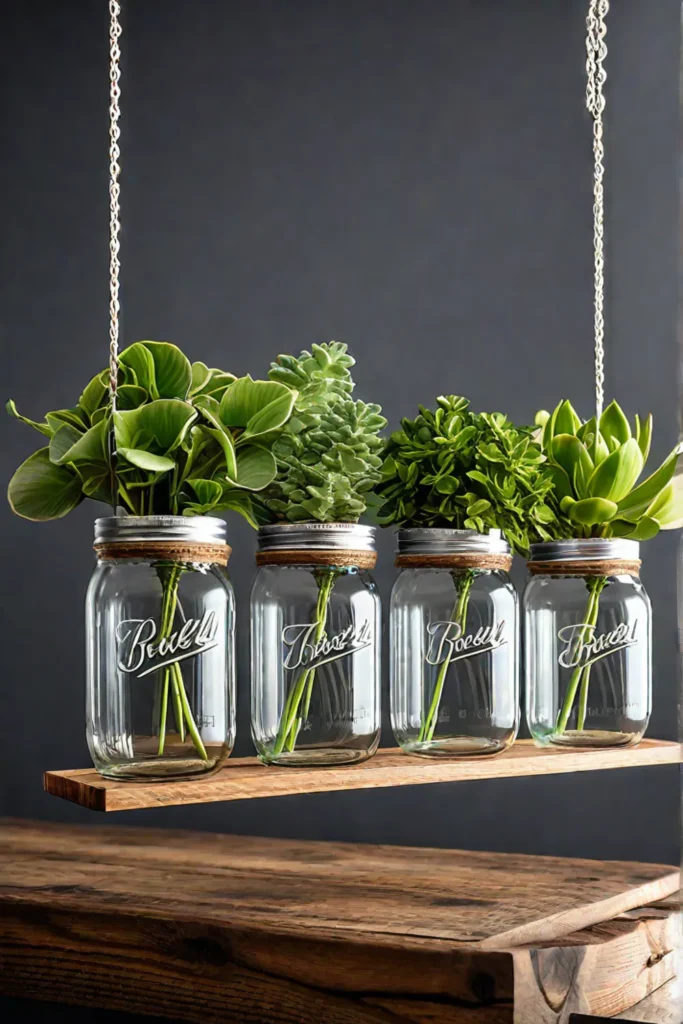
{"points": [[212, 928], [246, 778]]}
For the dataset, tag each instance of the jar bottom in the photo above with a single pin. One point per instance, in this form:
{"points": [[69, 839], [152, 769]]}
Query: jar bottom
{"points": [[458, 746], [318, 757], [595, 738], [169, 768]]}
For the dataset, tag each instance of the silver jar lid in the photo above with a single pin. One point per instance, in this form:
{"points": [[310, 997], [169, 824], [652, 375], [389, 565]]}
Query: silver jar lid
{"points": [[581, 548], [445, 541], [316, 537], [124, 529]]}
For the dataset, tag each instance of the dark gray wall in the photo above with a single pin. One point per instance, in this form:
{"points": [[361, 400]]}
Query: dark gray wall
{"points": [[411, 177]]}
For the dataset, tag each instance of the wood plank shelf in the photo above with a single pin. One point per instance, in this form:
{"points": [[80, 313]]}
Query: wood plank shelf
{"points": [[214, 928], [248, 779]]}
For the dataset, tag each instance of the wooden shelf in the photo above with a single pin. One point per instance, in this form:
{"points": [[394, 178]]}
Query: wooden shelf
{"points": [[248, 779], [209, 928]]}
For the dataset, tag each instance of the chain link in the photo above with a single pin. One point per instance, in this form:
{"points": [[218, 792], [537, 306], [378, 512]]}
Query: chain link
{"points": [[596, 52], [114, 194]]}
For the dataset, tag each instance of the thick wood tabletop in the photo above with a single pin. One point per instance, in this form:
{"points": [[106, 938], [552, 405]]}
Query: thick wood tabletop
{"points": [[214, 929], [247, 779]]}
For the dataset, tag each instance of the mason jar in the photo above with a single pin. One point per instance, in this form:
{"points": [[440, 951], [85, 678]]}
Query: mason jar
{"points": [[588, 644], [454, 644], [160, 625], [315, 645]]}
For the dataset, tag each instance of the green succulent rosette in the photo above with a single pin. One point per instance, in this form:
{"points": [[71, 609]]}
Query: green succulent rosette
{"points": [[595, 469]]}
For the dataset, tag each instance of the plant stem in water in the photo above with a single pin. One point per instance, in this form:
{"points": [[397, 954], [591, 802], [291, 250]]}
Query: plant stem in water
{"points": [[291, 720], [463, 585], [581, 674]]}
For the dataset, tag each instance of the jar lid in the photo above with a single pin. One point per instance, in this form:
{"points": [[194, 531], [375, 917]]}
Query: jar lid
{"points": [[445, 541], [316, 537], [585, 548], [127, 529]]}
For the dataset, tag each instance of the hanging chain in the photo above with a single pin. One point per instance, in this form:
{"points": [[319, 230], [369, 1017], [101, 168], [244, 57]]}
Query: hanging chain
{"points": [[596, 52], [114, 195]]}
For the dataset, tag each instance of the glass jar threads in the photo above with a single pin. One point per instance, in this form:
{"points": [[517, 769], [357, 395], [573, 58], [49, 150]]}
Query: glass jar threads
{"points": [[315, 645], [588, 644], [454, 644], [160, 623]]}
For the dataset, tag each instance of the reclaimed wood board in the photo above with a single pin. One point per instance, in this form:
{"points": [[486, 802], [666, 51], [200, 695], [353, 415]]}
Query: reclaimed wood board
{"points": [[212, 928], [247, 779]]}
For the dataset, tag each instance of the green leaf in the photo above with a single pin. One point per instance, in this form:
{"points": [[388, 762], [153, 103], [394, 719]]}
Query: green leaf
{"points": [[68, 445], [636, 503], [72, 416], [130, 396], [614, 425], [208, 492], [272, 417], [239, 501], [644, 529], [42, 428], [644, 435], [147, 460], [566, 419], [172, 369], [541, 417], [140, 360], [162, 424], [201, 374], [667, 508], [617, 474], [256, 468], [571, 455], [95, 393], [246, 398], [592, 511], [218, 383], [39, 490]]}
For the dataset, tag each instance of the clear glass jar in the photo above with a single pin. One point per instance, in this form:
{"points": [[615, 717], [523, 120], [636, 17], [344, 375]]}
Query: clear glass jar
{"points": [[588, 644], [160, 624], [454, 644], [315, 645]]}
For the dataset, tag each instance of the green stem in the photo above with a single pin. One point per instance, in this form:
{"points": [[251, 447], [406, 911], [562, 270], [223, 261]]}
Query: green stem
{"points": [[177, 702], [458, 616], [595, 586], [291, 721]]}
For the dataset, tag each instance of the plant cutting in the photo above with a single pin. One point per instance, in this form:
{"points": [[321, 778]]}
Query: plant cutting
{"points": [[187, 440], [595, 467], [453, 468], [328, 460]]}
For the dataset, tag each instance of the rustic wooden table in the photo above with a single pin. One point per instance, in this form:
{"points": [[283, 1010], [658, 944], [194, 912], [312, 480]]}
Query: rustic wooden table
{"points": [[208, 929]]}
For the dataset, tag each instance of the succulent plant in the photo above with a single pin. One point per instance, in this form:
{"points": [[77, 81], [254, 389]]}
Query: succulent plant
{"points": [[456, 468], [595, 469], [189, 440], [328, 454]]}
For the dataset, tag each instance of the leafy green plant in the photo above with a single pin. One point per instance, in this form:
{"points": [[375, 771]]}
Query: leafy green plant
{"points": [[464, 470], [189, 440], [595, 467], [329, 459]]}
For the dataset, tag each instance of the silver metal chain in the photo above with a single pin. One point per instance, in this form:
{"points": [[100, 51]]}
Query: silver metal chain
{"points": [[114, 194], [596, 52]]}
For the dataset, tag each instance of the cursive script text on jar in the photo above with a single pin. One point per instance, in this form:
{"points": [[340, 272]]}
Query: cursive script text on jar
{"points": [[304, 652], [446, 641], [583, 647], [137, 649]]}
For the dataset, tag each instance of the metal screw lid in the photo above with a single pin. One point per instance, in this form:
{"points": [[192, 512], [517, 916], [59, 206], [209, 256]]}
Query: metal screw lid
{"points": [[125, 529], [316, 537], [445, 541], [584, 548]]}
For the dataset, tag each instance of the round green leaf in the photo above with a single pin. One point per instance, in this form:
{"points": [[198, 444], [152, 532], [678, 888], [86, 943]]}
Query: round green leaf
{"points": [[140, 360], [592, 511], [147, 460], [256, 469], [246, 399], [160, 425], [172, 369], [68, 445], [39, 490]]}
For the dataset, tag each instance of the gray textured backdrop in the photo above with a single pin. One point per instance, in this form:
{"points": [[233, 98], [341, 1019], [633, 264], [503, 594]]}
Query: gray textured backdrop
{"points": [[411, 177]]}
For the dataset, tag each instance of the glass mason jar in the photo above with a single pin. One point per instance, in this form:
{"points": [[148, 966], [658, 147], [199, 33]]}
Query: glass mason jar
{"points": [[315, 645], [160, 624], [588, 644], [454, 644]]}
